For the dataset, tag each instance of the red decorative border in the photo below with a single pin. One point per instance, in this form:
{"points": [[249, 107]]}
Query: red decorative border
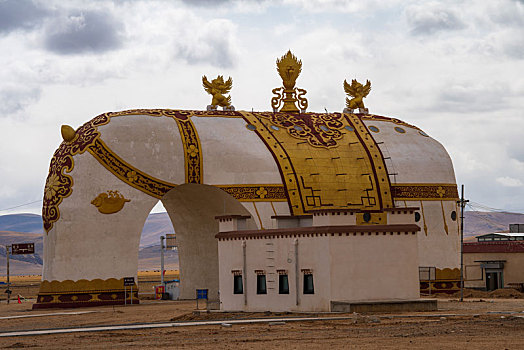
{"points": [[385, 119], [309, 126], [440, 287], [175, 113], [58, 184], [424, 191]]}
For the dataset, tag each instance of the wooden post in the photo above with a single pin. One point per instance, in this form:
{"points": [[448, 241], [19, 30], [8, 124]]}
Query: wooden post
{"points": [[8, 281]]}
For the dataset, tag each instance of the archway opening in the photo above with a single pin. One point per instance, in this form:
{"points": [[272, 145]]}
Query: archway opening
{"points": [[156, 225], [192, 209]]}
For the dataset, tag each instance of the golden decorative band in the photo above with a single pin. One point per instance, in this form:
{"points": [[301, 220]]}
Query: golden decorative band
{"points": [[82, 293], [192, 151], [326, 161], [158, 188], [376, 160], [256, 193], [81, 286], [127, 173], [424, 192]]}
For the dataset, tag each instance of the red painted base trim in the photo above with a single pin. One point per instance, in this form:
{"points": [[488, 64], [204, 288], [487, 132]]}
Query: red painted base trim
{"points": [[440, 287]]}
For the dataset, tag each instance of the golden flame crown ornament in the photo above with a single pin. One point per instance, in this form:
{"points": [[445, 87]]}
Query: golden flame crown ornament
{"points": [[218, 88], [358, 92], [289, 68]]}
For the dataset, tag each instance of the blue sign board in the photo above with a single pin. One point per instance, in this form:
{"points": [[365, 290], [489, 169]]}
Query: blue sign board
{"points": [[201, 293]]}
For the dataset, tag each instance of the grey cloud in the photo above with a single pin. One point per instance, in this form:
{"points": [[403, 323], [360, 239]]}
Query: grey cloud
{"points": [[516, 153], [212, 43], [217, 55], [20, 14], [429, 20], [515, 49], [213, 3], [16, 99], [88, 31], [469, 98], [508, 28], [515, 143], [510, 14]]}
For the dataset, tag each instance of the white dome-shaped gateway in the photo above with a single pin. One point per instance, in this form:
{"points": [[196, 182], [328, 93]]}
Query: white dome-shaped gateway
{"points": [[338, 198], [275, 169]]}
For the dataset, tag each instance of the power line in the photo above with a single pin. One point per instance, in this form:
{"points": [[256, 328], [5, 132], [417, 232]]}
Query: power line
{"points": [[483, 218], [21, 205], [485, 207]]}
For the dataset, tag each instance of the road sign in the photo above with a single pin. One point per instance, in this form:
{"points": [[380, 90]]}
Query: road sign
{"points": [[129, 281], [201, 294], [22, 248], [170, 240]]}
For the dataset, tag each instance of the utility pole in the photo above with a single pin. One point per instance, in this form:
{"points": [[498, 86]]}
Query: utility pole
{"points": [[462, 202], [8, 291], [162, 260]]}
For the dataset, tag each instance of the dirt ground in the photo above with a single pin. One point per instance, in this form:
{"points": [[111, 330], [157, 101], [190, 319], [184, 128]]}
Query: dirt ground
{"points": [[472, 324], [493, 320]]}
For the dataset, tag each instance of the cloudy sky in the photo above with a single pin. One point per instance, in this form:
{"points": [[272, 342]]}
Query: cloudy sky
{"points": [[453, 68]]}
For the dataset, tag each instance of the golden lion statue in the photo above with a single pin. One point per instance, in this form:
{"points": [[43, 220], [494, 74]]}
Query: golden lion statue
{"points": [[358, 92], [217, 88]]}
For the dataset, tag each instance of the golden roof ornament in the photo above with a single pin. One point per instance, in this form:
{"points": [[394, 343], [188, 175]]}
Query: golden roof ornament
{"points": [[358, 92], [289, 68], [218, 88], [68, 133]]}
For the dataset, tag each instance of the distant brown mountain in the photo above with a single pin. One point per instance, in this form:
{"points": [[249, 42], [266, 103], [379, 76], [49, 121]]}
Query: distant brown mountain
{"points": [[20, 228], [24, 228], [156, 225], [149, 258], [478, 223], [21, 223]]}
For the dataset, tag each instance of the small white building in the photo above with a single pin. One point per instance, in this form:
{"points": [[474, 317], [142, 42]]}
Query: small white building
{"points": [[295, 267]]}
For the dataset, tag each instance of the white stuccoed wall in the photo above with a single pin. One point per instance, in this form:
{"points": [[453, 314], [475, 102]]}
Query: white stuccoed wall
{"points": [[85, 244], [353, 268], [420, 159]]}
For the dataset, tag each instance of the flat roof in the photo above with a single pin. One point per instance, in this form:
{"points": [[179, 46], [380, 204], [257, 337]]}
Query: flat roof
{"points": [[505, 234], [316, 230], [494, 247], [227, 217]]}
